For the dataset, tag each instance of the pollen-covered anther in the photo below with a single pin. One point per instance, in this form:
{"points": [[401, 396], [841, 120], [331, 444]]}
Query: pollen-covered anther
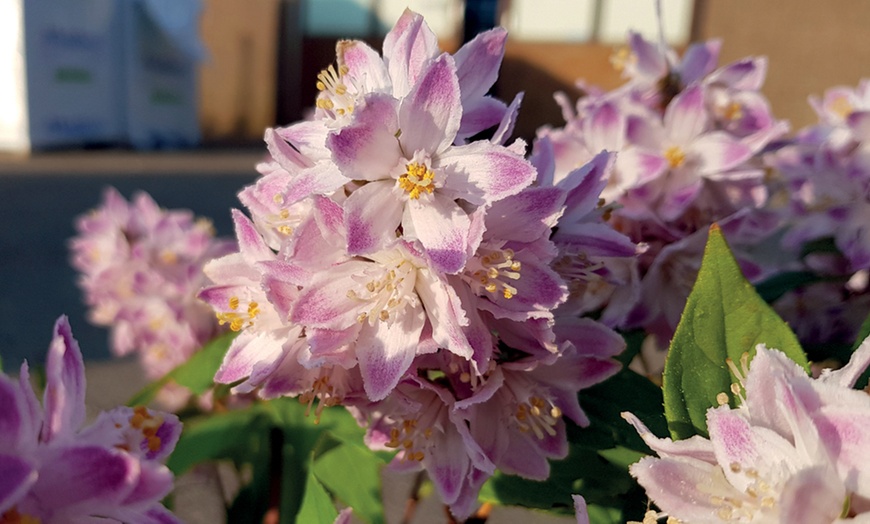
{"points": [[622, 58], [148, 424], [335, 94], [497, 268], [539, 416], [385, 295], [324, 392], [236, 320], [732, 112], [417, 179], [407, 437], [675, 156]]}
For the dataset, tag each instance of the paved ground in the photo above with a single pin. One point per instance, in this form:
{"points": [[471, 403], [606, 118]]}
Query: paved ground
{"points": [[40, 196]]}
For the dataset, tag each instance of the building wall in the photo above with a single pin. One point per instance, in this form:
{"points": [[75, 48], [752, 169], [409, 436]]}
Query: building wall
{"points": [[811, 45]]}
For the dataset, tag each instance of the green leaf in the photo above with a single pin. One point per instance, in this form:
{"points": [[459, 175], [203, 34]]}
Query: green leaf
{"points": [[197, 374], [232, 435], [317, 505], [724, 318], [353, 474]]}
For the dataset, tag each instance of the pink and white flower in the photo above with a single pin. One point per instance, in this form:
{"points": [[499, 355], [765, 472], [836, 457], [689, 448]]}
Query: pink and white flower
{"points": [[55, 470]]}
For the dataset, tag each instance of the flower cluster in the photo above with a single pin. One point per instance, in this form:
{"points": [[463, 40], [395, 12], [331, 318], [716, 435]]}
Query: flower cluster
{"points": [[56, 471], [795, 450], [393, 265], [141, 268], [823, 177], [687, 138]]}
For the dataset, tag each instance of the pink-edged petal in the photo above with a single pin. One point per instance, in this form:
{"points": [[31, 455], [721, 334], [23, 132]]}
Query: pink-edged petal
{"points": [[591, 338], [695, 449], [849, 374], [635, 167], [251, 244], [154, 482], [408, 48], [483, 114], [683, 489], [17, 477], [246, 351], [699, 60], [584, 184], [526, 216], [87, 479], [543, 159], [686, 116], [13, 418], [385, 352], [430, 115], [326, 341], [719, 152], [449, 465], [581, 513], [651, 63], [288, 157], [812, 495], [605, 128], [444, 311], [508, 122], [324, 303], [442, 227], [844, 432], [322, 179], [482, 173], [308, 137], [746, 74], [371, 215], [596, 240], [64, 398], [478, 62], [365, 67], [367, 149]]}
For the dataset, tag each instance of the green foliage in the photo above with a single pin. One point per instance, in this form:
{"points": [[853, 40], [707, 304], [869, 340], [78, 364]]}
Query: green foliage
{"points": [[197, 374], [724, 318], [297, 463]]}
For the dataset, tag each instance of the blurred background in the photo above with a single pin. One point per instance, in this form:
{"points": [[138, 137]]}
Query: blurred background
{"points": [[172, 97]]}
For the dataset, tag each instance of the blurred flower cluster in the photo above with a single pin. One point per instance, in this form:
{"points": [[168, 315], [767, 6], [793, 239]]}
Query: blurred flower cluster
{"points": [[688, 138], [140, 270]]}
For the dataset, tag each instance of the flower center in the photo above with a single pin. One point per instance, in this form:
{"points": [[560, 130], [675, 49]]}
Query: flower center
{"points": [[494, 270], [842, 107], [539, 416], [386, 292], [732, 112], [148, 424], [675, 156], [234, 318], [418, 178], [406, 435], [334, 96]]}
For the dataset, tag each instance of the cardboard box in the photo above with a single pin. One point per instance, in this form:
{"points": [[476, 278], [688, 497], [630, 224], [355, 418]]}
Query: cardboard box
{"points": [[58, 73], [238, 78]]}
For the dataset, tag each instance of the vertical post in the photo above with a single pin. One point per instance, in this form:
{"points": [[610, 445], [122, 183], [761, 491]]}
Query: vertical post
{"points": [[290, 40]]}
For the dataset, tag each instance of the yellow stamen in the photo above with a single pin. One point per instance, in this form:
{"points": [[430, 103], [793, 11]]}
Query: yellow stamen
{"points": [[417, 179], [675, 156]]}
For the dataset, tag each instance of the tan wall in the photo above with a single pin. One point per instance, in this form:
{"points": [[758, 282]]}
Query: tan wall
{"points": [[811, 45]]}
